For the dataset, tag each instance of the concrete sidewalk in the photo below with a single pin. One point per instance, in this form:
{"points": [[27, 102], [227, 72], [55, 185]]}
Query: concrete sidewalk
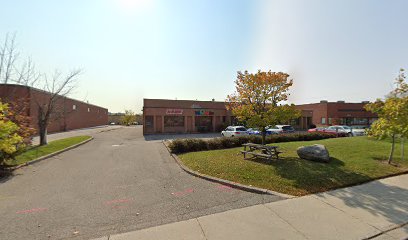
{"points": [[376, 210]]}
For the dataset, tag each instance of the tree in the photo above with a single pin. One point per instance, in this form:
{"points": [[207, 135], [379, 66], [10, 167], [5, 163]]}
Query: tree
{"points": [[58, 87], [392, 114], [129, 118], [18, 113], [258, 97], [10, 141]]}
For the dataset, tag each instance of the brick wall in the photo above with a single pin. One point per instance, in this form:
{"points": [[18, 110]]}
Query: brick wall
{"points": [[83, 116]]}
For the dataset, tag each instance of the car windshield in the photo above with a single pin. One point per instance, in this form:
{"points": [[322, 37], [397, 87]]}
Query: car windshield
{"points": [[287, 128], [240, 129], [346, 127]]}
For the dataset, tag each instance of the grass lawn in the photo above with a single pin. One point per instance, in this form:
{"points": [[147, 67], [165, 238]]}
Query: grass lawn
{"points": [[353, 160], [39, 151]]}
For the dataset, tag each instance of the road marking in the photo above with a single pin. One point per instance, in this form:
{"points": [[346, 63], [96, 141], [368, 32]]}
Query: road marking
{"points": [[118, 201], [179, 194], [224, 188], [32, 210]]}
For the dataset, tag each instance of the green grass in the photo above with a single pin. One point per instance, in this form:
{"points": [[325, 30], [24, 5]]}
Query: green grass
{"points": [[353, 160], [39, 151]]}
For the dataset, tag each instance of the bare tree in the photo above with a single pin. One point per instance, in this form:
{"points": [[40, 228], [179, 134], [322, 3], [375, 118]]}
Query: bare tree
{"points": [[51, 107], [8, 57]]}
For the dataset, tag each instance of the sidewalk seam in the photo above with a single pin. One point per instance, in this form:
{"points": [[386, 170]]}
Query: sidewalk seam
{"points": [[201, 227], [298, 231], [361, 220]]}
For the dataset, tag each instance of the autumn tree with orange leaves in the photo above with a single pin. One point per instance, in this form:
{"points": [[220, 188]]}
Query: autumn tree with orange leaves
{"points": [[258, 99]]}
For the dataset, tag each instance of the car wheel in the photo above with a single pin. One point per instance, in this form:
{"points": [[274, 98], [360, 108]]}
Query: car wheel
{"points": [[349, 134], [222, 134]]}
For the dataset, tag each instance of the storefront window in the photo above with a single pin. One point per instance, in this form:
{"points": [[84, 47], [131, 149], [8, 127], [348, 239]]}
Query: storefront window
{"points": [[174, 121]]}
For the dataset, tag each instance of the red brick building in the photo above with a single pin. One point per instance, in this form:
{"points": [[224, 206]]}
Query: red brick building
{"points": [[334, 113], [73, 114], [185, 116]]}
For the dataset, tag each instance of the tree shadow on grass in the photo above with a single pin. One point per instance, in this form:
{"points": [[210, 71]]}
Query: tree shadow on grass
{"points": [[312, 177]]}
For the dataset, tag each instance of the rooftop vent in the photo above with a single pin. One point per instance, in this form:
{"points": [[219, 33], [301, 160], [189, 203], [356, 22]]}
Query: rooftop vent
{"points": [[365, 102], [341, 101], [323, 101], [213, 100]]}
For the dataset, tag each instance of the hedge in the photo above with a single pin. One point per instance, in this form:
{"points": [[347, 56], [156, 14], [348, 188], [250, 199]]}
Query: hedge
{"points": [[193, 145]]}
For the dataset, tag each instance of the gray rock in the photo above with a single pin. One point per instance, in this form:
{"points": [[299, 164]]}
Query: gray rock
{"points": [[316, 152]]}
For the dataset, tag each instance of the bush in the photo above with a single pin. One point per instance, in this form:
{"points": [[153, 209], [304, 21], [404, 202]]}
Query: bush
{"points": [[193, 145]]}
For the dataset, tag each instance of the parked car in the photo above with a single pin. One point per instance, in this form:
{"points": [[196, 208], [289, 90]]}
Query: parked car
{"points": [[323, 130], [318, 129], [233, 131], [281, 129], [256, 131], [359, 130], [341, 129]]}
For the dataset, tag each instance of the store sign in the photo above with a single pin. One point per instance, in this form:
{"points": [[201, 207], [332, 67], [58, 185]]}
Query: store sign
{"points": [[204, 113], [174, 111], [195, 106]]}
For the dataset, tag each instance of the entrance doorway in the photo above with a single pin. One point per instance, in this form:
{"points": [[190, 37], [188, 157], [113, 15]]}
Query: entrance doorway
{"points": [[203, 123]]}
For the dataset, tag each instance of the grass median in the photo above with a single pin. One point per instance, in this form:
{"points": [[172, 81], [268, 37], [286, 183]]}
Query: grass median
{"points": [[35, 152], [353, 160]]}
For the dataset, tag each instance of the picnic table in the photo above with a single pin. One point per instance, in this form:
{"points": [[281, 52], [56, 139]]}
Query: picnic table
{"points": [[267, 152]]}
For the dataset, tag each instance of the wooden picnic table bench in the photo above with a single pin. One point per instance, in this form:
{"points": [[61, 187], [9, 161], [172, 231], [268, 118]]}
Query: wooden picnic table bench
{"points": [[267, 152]]}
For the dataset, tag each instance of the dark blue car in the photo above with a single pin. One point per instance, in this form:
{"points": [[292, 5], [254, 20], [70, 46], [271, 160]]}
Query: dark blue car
{"points": [[256, 131]]}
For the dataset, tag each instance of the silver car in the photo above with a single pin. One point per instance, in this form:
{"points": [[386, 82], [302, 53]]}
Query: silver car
{"points": [[234, 131]]}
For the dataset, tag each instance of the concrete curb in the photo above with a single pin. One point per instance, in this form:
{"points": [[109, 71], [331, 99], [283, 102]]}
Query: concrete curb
{"points": [[49, 155], [223, 181]]}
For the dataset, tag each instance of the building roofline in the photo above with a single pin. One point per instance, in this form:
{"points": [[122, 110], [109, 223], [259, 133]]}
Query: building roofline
{"points": [[183, 100], [332, 103], [40, 90]]}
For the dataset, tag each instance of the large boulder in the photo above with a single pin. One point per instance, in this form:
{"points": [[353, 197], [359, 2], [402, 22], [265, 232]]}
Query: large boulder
{"points": [[317, 153]]}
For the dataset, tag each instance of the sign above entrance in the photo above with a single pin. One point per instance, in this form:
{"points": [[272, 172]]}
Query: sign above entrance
{"points": [[174, 111], [204, 113]]}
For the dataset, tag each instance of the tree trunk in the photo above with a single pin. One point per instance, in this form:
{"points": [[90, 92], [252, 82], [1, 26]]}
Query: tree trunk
{"points": [[263, 136], [402, 149], [43, 135], [392, 149]]}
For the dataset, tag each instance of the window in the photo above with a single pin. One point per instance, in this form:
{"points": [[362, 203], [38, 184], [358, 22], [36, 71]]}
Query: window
{"points": [[89, 109], [330, 120], [323, 120], [174, 121], [74, 107]]}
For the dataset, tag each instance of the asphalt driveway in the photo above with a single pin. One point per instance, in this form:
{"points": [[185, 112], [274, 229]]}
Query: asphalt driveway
{"points": [[116, 183]]}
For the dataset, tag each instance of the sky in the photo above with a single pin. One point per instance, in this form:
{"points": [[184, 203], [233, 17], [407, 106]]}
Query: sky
{"points": [[128, 50]]}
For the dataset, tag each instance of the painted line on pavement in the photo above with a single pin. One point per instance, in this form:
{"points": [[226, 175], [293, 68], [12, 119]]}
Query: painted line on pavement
{"points": [[181, 193], [32, 210]]}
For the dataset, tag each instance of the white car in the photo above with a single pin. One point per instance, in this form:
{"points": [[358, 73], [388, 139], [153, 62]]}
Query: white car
{"points": [[234, 131], [359, 130], [281, 129], [341, 129]]}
